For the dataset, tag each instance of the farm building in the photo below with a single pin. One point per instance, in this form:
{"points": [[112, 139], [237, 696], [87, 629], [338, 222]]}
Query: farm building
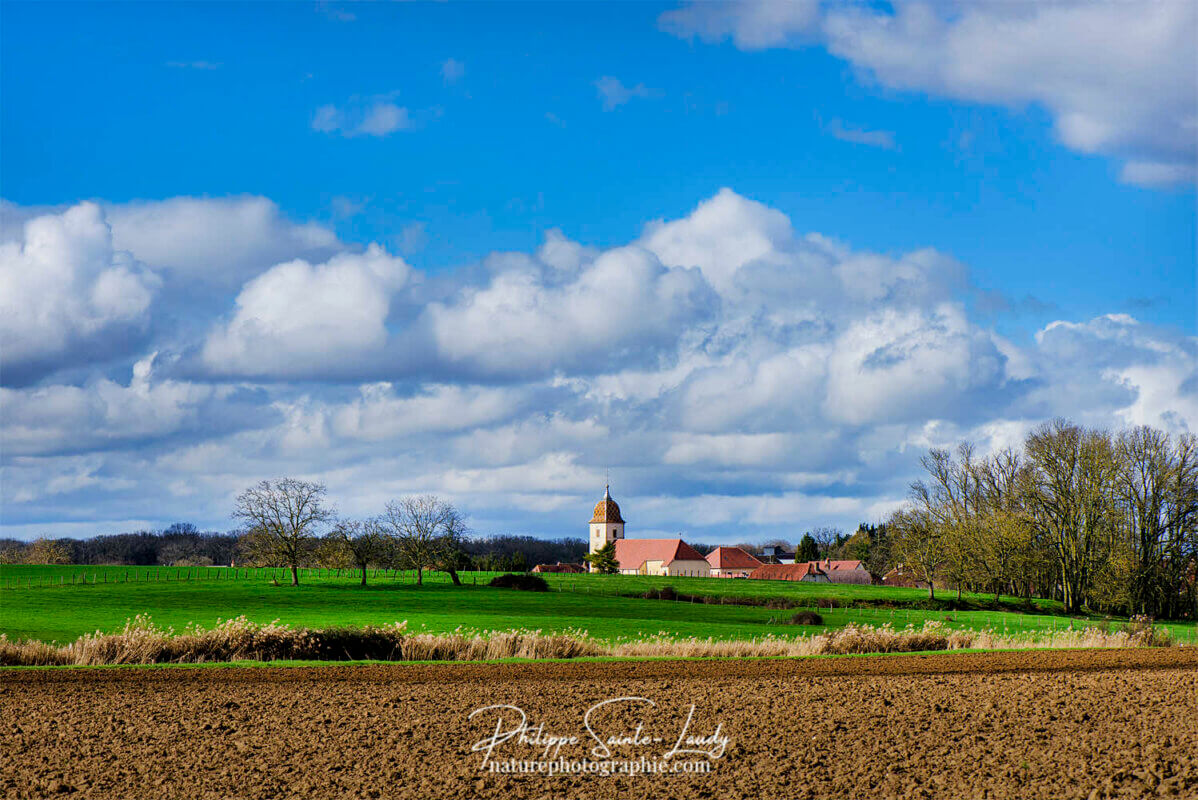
{"points": [[660, 557], [731, 562], [845, 571], [558, 567], [815, 572], [902, 576], [806, 572]]}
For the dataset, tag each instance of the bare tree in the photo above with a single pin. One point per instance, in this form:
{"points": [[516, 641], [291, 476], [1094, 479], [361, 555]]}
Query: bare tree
{"points": [[827, 538], [428, 534], [1158, 491], [1073, 477], [283, 517], [919, 546], [948, 503], [362, 541], [1003, 540]]}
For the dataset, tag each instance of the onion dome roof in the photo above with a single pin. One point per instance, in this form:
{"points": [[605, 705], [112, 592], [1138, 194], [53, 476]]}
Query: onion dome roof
{"points": [[606, 509]]}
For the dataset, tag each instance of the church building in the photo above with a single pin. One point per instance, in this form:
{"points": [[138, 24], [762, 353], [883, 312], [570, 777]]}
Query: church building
{"points": [[643, 556]]}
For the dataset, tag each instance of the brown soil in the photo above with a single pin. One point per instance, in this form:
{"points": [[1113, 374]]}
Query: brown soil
{"points": [[1085, 724]]}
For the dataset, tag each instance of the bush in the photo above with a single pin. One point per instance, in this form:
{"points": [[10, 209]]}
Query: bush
{"points": [[667, 593], [1143, 630], [524, 582], [807, 618]]}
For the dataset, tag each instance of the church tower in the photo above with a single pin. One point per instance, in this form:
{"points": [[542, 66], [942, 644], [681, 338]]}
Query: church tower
{"points": [[606, 523]]}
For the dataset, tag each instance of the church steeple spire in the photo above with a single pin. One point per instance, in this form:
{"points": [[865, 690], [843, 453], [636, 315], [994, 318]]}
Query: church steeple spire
{"points": [[606, 523]]}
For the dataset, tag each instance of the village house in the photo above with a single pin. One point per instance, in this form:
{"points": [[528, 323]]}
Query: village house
{"points": [[845, 572], [660, 557], [815, 572], [903, 576], [731, 562], [806, 571], [773, 554]]}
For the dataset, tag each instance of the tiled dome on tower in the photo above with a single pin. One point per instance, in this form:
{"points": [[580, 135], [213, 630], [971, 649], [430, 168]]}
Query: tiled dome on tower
{"points": [[606, 509]]}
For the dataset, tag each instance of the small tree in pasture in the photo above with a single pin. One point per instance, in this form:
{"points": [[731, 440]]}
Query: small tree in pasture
{"points": [[361, 542], [428, 534]]}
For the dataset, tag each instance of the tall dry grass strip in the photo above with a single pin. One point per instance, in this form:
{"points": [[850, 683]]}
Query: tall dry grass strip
{"points": [[143, 642]]}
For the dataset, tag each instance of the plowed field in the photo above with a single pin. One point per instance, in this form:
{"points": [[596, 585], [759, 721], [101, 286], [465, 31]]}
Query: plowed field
{"points": [[1019, 725]]}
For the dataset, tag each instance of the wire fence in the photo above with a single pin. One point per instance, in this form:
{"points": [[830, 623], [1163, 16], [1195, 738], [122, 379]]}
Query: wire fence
{"points": [[47, 578]]}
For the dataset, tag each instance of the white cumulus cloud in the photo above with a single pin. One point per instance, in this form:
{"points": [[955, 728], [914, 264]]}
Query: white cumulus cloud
{"points": [[66, 293], [622, 307], [220, 241], [297, 316]]}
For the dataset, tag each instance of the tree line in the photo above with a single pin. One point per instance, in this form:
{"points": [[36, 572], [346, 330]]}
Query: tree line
{"points": [[334, 543], [179, 545], [1097, 519]]}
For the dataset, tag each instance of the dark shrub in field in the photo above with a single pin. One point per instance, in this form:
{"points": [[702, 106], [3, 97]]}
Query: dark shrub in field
{"points": [[807, 618], [667, 593], [523, 582], [354, 644], [651, 594]]}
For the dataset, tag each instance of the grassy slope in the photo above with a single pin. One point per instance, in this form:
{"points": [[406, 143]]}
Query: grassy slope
{"points": [[64, 612], [40, 575]]}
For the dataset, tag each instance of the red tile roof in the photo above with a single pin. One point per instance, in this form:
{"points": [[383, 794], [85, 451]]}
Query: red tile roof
{"points": [[631, 553], [731, 558], [783, 572], [838, 565]]}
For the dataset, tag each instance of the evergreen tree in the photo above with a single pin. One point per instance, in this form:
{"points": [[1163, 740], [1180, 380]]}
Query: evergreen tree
{"points": [[808, 549], [603, 560]]}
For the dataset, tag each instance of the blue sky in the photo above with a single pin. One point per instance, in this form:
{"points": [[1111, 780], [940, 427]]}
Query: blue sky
{"points": [[1028, 212]]}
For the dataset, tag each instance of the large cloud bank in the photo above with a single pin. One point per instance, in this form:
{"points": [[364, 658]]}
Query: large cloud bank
{"points": [[739, 377]]}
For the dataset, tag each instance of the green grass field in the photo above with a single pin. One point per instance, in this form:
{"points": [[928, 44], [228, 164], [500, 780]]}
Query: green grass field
{"points": [[62, 603], [37, 576]]}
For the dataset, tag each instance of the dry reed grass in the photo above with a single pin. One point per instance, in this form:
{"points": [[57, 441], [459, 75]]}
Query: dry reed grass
{"points": [[142, 642]]}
